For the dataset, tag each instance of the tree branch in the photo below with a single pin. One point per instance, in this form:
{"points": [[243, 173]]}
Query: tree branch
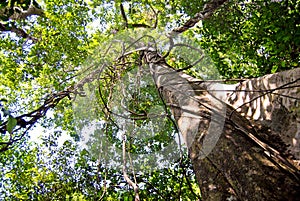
{"points": [[137, 25], [22, 14], [207, 11], [124, 15], [28, 120], [128, 180]]}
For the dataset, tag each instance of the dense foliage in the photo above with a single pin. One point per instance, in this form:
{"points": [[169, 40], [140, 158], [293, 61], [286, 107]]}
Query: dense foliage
{"points": [[55, 45]]}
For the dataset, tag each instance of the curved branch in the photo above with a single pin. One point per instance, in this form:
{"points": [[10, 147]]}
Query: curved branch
{"points": [[207, 11], [22, 14]]}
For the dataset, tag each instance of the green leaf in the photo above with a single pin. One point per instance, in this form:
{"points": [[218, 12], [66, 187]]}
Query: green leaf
{"points": [[11, 124]]}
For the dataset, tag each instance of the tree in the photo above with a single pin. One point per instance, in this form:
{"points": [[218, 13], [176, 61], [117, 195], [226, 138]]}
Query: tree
{"points": [[237, 134], [275, 159]]}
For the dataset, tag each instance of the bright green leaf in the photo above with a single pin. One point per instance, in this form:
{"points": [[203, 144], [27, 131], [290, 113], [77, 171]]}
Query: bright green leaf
{"points": [[11, 124]]}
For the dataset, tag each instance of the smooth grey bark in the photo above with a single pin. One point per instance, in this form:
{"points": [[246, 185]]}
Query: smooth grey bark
{"points": [[242, 157]]}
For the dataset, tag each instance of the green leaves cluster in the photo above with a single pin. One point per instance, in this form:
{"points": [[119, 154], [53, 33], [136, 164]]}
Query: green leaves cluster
{"points": [[49, 171], [248, 39]]}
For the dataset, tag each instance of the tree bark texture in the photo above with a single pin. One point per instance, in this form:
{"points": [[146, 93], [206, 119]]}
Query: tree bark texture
{"points": [[244, 144]]}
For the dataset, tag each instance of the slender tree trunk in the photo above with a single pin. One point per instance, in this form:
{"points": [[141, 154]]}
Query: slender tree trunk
{"points": [[239, 150]]}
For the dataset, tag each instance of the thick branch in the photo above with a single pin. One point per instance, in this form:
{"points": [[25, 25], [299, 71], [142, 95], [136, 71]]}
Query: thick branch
{"points": [[22, 14], [207, 11]]}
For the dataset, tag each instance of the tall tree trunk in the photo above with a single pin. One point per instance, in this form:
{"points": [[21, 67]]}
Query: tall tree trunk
{"points": [[239, 150]]}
